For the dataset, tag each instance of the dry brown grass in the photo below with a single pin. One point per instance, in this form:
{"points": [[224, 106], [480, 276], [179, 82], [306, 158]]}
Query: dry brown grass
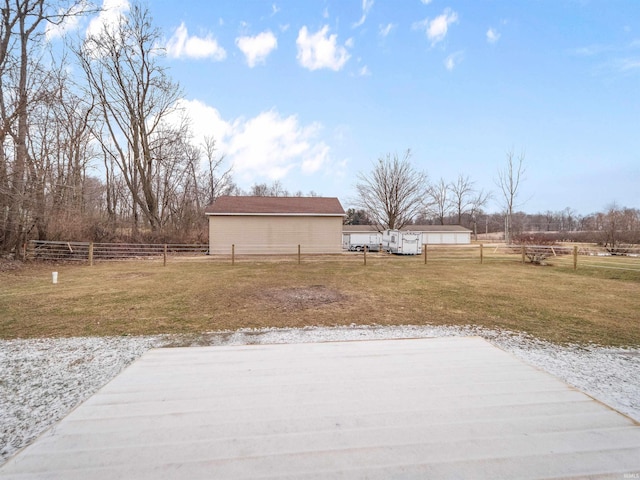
{"points": [[126, 298]]}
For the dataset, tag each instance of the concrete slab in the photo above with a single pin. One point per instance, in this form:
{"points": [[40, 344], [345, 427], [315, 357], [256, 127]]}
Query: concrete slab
{"points": [[421, 408]]}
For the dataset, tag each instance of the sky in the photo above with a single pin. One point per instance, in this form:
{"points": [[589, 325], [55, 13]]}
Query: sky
{"points": [[311, 93]]}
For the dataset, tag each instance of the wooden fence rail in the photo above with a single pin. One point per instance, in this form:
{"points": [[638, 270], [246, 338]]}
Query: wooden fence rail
{"points": [[571, 256], [90, 252]]}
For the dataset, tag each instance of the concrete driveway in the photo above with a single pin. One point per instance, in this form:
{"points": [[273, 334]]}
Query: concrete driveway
{"points": [[418, 408]]}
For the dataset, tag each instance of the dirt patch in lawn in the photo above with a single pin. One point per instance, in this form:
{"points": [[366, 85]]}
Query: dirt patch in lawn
{"points": [[302, 298]]}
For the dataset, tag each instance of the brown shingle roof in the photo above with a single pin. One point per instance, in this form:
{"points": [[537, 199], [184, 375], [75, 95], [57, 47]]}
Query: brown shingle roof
{"points": [[236, 205]]}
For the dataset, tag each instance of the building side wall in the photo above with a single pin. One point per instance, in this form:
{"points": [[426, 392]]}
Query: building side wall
{"points": [[453, 238], [274, 234]]}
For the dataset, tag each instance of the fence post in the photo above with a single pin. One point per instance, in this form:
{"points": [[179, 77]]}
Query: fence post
{"points": [[575, 257], [481, 253], [164, 256], [91, 254], [424, 247], [24, 252], [364, 251], [523, 253], [298, 254], [233, 254]]}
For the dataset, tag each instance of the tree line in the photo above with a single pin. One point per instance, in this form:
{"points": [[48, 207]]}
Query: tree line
{"points": [[394, 194], [104, 154]]}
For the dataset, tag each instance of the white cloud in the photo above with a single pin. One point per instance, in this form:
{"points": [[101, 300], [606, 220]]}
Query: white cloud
{"points": [[270, 146], [614, 58], [440, 25], [110, 14], [385, 30], [364, 71], [206, 122], [426, 2], [320, 50], [181, 45], [453, 60], [366, 6], [69, 23], [627, 64], [492, 35], [315, 158], [590, 50], [437, 28], [256, 49], [265, 147]]}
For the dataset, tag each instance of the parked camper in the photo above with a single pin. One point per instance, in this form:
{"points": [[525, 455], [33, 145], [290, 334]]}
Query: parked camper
{"points": [[358, 241], [402, 243]]}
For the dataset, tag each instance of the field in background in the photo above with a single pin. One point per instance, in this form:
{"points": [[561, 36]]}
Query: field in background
{"points": [[191, 295]]}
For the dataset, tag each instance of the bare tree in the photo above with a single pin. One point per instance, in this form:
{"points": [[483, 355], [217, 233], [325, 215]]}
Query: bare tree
{"points": [[393, 192], [112, 187], [478, 202], [438, 201], [23, 79], [276, 189], [550, 218], [568, 219], [461, 196], [611, 225], [259, 190], [509, 181], [136, 99], [62, 144], [465, 200], [216, 181], [618, 228]]}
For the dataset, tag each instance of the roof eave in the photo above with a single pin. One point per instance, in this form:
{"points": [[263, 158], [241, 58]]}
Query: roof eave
{"points": [[274, 214]]}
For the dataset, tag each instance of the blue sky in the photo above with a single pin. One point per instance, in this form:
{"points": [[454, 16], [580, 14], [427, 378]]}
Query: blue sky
{"points": [[311, 93]]}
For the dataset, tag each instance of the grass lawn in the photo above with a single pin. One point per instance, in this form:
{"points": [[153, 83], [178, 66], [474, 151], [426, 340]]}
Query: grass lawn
{"points": [[136, 298]]}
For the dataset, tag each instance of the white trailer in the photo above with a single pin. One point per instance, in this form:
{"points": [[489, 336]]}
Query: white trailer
{"points": [[358, 241], [402, 243]]}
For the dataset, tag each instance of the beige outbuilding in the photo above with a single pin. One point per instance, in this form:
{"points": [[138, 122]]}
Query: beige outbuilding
{"points": [[275, 225]]}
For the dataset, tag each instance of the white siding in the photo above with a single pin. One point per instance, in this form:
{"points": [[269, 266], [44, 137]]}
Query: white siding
{"points": [[274, 234], [448, 238]]}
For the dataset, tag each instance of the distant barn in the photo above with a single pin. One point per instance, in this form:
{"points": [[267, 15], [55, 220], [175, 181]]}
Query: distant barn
{"points": [[431, 234], [441, 234], [275, 225]]}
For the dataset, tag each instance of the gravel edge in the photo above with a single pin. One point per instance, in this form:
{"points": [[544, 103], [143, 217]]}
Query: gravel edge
{"points": [[42, 380]]}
